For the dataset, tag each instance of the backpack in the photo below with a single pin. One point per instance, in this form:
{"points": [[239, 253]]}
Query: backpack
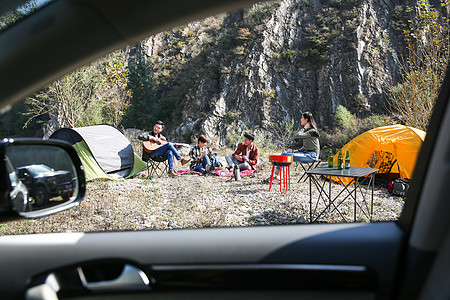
{"points": [[215, 160], [398, 187]]}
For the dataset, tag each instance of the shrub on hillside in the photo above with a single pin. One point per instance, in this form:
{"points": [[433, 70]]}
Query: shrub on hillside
{"points": [[343, 134], [284, 133], [263, 139], [345, 120]]}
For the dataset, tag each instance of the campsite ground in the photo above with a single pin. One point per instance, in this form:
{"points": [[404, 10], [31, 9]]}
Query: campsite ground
{"points": [[193, 201]]}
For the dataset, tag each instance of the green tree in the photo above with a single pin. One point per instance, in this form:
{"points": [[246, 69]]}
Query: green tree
{"points": [[423, 67], [113, 88], [96, 94], [142, 111], [70, 101]]}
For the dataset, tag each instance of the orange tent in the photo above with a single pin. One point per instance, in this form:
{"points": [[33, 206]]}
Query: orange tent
{"points": [[392, 149]]}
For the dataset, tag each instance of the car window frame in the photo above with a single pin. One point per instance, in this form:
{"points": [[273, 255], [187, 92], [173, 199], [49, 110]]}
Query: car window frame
{"points": [[407, 217]]}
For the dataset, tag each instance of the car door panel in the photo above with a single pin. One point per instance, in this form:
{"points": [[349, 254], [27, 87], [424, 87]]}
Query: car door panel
{"points": [[312, 254]]}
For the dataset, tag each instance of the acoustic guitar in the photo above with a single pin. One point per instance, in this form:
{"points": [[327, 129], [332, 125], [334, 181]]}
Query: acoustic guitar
{"points": [[150, 146]]}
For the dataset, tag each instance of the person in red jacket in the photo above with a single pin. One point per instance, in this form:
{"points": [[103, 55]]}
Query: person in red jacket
{"points": [[246, 155]]}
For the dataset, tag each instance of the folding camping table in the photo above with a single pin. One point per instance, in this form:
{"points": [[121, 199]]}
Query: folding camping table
{"points": [[360, 176]]}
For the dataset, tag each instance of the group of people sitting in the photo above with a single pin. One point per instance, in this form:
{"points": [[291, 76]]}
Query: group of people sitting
{"points": [[244, 158], [246, 155]]}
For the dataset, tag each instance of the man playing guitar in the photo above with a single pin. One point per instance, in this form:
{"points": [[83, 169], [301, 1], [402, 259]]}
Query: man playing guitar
{"points": [[155, 144]]}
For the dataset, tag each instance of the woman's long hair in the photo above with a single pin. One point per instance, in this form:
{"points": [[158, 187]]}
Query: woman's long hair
{"points": [[308, 116]]}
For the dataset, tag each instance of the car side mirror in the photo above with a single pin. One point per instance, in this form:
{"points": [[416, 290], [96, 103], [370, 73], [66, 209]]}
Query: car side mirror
{"points": [[52, 178]]}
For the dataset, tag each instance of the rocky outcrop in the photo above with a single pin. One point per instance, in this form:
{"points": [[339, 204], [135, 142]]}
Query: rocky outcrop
{"points": [[281, 59]]}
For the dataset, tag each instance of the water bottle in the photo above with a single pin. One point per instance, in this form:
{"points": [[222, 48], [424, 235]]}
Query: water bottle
{"points": [[237, 173]]}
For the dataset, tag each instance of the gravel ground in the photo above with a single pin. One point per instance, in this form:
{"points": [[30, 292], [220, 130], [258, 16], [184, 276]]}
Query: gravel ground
{"points": [[193, 201]]}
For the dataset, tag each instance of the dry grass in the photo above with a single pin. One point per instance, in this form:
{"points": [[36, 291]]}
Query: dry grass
{"points": [[193, 201]]}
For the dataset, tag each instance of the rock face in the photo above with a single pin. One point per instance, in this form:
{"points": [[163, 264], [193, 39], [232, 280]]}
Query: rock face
{"points": [[281, 59]]}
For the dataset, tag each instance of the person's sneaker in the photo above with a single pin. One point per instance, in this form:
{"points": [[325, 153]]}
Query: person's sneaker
{"points": [[184, 160], [208, 169], [237, 174], [172, 173]]}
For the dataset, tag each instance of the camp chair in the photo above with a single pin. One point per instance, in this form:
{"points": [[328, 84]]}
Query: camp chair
{"points": [[156, 165], [306, 167]]}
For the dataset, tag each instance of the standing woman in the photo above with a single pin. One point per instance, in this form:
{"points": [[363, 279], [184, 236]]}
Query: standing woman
{"points": [[309, 134]]}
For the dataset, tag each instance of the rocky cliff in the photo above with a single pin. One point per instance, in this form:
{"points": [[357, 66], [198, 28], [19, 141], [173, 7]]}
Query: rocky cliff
{"points": [[258, 67]]}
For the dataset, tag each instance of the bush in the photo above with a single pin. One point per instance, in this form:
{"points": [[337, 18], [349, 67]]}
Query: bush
{"points": [[333, 140], [260, 12], [243, 35], [414, 98], [289, 54], [284, 133], [372, 122], [337, 138], [345, 120], [231, 116], [263, 140], [269, 94]]}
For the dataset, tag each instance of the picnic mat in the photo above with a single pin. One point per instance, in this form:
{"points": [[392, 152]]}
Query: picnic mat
{"points": [[188, 171], [222, 173], [226, 173]]}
